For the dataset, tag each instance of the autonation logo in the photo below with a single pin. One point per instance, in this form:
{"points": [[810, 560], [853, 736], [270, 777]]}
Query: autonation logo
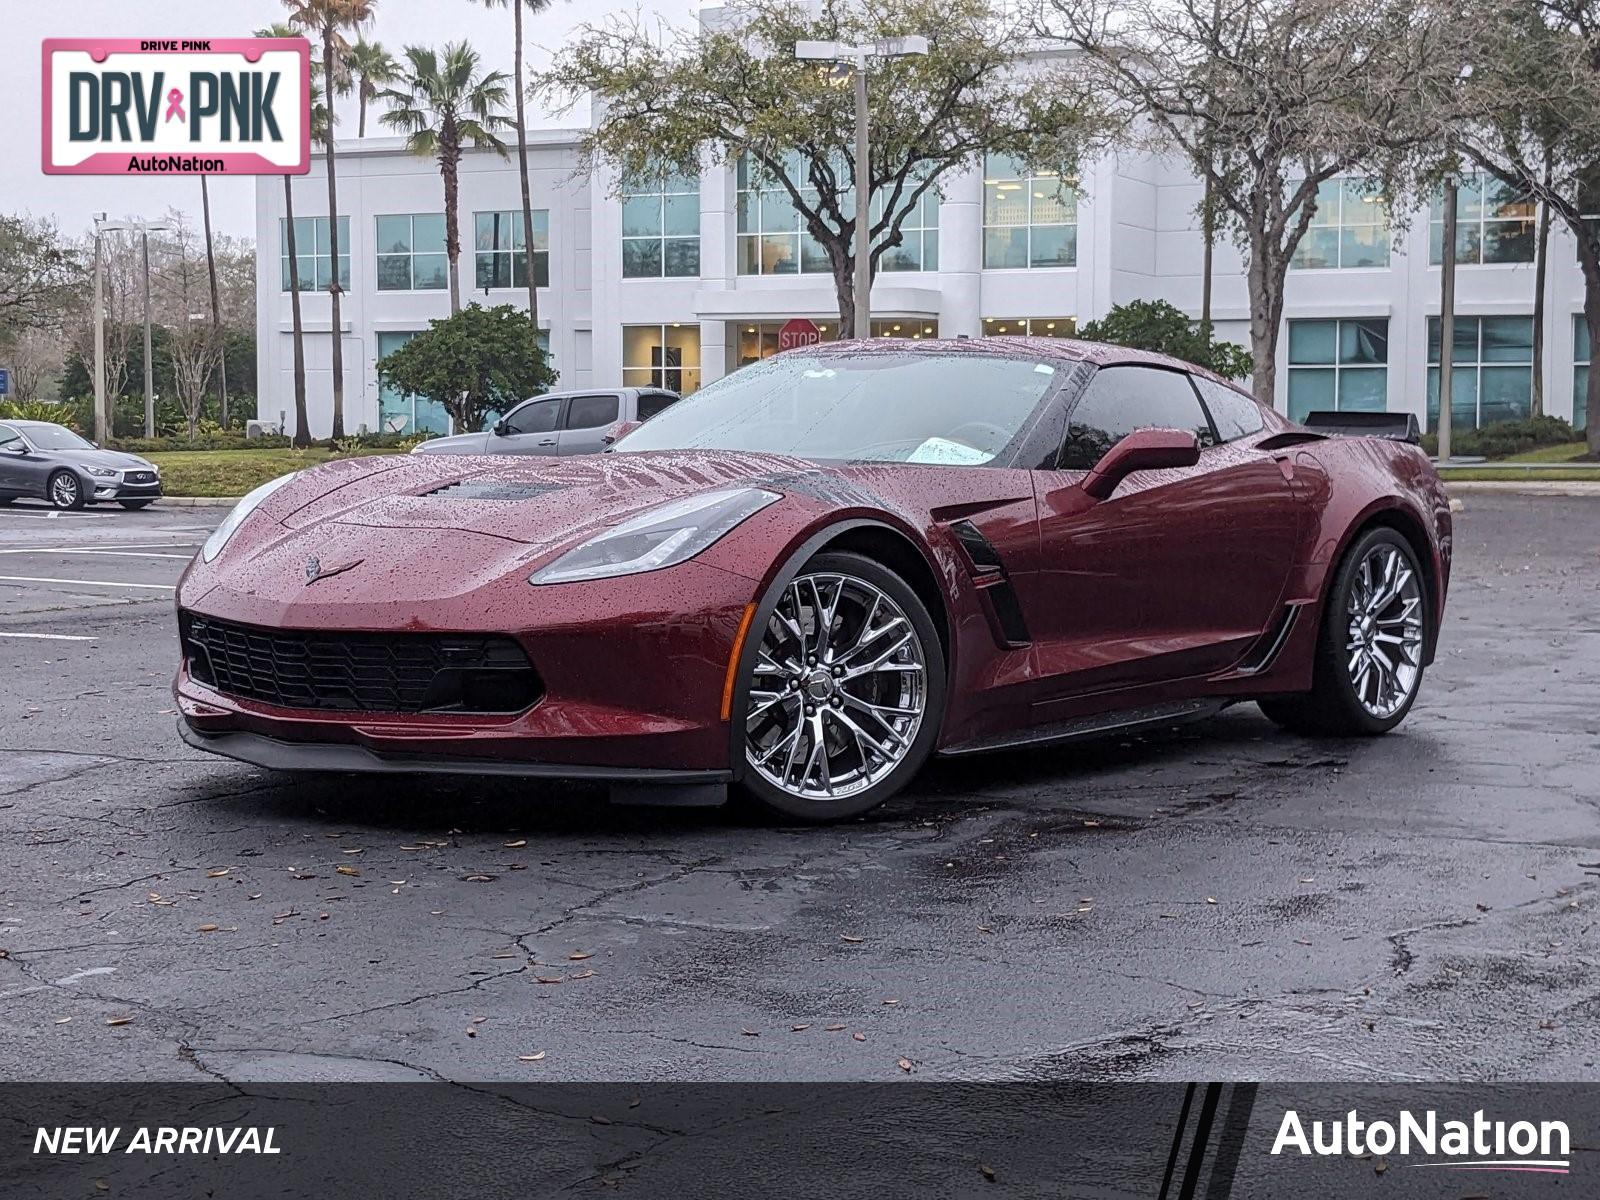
{"points": [[1476, 1145]]}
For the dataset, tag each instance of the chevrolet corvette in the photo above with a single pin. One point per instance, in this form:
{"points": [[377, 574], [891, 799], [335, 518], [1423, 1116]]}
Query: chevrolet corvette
{"points": [[817, 572]]}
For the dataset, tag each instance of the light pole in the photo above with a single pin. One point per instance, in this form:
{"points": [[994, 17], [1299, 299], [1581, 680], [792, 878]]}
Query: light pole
{"points": [[144, 229], [856, 59]]}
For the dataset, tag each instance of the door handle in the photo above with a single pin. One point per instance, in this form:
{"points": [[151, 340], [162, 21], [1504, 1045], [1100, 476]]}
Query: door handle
{"points": [[546, 442]]}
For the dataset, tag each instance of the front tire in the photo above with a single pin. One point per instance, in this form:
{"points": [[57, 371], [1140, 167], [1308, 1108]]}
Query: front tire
{"points": [[65, 490], [845, 692], [1374, 634]]}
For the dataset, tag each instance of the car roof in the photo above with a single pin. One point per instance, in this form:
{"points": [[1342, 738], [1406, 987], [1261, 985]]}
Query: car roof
{"points": [[1062, 350], [603, 391], [18, 423]]}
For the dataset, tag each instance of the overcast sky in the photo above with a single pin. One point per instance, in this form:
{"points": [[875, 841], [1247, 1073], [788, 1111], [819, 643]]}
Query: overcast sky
{"points": [[72, 199]]}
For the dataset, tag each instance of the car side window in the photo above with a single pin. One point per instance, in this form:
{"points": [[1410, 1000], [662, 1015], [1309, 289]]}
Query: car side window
{"points": [[10, 439], [539, 417], [1233, 413], [652, 403], [589, 412], [1122, 399]]}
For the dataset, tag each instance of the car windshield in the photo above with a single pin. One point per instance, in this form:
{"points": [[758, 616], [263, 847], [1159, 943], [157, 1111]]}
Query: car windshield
{"points": [[916, 407], [54, 437]]}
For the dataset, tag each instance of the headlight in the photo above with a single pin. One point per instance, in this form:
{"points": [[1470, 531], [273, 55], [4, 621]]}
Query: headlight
{"points": [[102, 472], [219, 536], [661, 537]]}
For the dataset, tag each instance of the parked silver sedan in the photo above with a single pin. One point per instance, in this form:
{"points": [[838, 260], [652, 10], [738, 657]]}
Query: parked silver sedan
{"points": [[573, 422], [50, 462]]}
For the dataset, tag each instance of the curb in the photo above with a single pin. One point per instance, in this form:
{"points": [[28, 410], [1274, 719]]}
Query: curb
{"points": [[197, 501], [1517, 487]]}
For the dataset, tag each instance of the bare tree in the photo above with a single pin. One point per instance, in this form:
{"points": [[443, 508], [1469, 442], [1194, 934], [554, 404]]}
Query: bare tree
{"points": [[1267, 100], [181, 282], [1534, 123], [35, 356]]}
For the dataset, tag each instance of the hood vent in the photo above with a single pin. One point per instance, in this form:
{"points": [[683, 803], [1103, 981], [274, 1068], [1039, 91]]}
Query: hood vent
{"points": [[491, 489]]}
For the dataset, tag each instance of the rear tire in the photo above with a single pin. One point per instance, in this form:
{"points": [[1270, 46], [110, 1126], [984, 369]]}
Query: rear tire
{"points": [[1375, 629], [65, 490], [844, 692], [135, 505]]}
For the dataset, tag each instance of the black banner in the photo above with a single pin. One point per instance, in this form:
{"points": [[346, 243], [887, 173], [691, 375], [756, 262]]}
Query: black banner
{"points": [[1150, 1141]]}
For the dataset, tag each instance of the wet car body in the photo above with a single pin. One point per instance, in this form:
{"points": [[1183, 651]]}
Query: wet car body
{"points": [[1057, 613]]}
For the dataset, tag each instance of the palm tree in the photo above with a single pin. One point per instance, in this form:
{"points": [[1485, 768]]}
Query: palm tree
{"points": [[319, 132], [516, 7], [445, 102], [372, 67], [328, 19]]}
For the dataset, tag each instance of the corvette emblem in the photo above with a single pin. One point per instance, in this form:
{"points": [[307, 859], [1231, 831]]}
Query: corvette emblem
{"points": [[315, 570]]}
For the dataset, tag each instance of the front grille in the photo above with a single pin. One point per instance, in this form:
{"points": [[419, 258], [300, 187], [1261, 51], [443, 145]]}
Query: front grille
{"points": [[140, 476], [360, 672]]}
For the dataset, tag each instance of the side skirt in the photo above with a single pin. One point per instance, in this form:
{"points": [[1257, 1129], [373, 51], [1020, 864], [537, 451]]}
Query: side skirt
{"points": [[1132, 720]]}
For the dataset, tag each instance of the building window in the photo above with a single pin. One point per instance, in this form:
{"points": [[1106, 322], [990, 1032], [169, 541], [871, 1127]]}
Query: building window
{"points": [[1061, 327], [1339, 365], [1494, 224], [1581, 353], [663, 356], [411, 254], [1029, 219], [314, 248], [759, 339], [400, 412], [1350, 228], [773, 239], [1491, 374], [498, 249], [661, 227]]}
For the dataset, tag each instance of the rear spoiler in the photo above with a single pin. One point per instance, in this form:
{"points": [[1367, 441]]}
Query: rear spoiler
{"points": [[1395, 427]]}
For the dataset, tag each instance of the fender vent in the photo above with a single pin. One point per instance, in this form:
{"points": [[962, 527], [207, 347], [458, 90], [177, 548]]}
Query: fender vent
{"points": [[989, 577], [491, 489], [1266, 650]]}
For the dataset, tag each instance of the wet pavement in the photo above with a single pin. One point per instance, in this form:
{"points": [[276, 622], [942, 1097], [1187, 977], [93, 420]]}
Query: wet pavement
{"points": [[1225, 901]]}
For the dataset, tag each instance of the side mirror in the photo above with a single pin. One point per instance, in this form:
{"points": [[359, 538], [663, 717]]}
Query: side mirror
{"points": [[1141, 450], [502, 427], [618, 430]]}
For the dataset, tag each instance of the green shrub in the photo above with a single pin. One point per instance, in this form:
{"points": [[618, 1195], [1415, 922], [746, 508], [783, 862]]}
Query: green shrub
{"points": [[1502, 439]]}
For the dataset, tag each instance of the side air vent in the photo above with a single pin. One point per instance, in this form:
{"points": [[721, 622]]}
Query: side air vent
{"points": [[994, 586], [1265, 652], [491, 489]]}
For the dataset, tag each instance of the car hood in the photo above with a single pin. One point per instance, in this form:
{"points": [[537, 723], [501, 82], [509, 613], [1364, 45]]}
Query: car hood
{"points": [[101, 458], [461, 443], [533, 503], [432, 528]]}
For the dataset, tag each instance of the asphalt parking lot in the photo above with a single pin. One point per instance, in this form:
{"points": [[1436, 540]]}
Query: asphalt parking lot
{"points": [[1224, 901]]}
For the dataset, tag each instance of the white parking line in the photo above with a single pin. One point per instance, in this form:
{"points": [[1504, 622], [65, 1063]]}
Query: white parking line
{"points": [[86, 550], [164, 587], [50, 637]]}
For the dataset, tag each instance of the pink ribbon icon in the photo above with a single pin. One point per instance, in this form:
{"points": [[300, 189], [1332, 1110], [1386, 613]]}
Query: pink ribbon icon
{"points": [[175, 105]]}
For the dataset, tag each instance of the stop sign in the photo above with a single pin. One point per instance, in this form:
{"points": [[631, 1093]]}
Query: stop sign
{"points": [[798, 332]]}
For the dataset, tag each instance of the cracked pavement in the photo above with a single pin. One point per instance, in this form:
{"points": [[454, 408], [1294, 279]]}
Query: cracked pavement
{"points": [[1223, 901]]}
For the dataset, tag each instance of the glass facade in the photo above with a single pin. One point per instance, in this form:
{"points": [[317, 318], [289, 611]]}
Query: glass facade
{"points": [[759, 339], [1338, 365], [498, 257], [665, 356], [1491, 371], [661, 227], [773, 239], [1493, 223], [1061, 327], [411, 256], [313, 246], [399, 412], [1350, 228], [1029, 219]]}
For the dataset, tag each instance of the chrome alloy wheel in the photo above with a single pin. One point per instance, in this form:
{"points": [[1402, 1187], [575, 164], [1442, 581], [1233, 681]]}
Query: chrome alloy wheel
{"points": [[1385, 642], [839, 690], [64, 489]]}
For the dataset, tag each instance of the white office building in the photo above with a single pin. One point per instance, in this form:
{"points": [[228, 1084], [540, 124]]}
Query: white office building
{"points": [[681, 281]]}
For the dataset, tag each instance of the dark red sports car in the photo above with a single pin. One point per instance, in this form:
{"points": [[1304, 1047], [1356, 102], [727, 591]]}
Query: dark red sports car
{"points": [[820, 570]]}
